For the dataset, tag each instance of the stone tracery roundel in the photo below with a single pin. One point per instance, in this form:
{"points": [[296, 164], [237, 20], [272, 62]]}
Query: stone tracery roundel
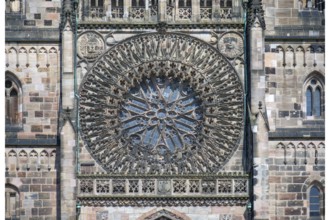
{"points": [[161, 103]]}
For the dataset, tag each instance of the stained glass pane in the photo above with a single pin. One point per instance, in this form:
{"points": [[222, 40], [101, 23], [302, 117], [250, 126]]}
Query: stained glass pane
{"points": [[314, 199], [314, 191], [317, 102], [309, 102], [161, 113]]}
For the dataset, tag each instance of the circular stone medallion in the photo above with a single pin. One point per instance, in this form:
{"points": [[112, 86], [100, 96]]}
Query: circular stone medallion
{"points": [[231, 44], [90, 45], [161, 104]]}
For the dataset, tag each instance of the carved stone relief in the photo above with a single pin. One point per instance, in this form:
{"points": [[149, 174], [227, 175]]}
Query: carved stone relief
{"points": [[161, 103], [90, 45], [231, 44]]}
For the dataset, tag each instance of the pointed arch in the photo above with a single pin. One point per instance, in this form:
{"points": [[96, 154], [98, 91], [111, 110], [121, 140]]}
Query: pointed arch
{"points": [[32, 57], [281, 56], [290, 56], [300, 56], [13, 101], [314, 95], [42, 57], [321, 145], [314, 189], [302, 146], [12, 153], [12, 57], [12, 201], [309, 56]]}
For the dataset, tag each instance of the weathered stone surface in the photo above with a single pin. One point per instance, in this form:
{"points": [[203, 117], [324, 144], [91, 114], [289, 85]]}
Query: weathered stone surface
{"points": [[283, 59]]}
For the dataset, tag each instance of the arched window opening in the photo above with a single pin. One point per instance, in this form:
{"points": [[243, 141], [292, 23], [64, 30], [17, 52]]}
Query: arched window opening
{"points": [[11, 202], [117, 3], [315, 205], [205, 3], [96, 3], [317, 102], [12, 102], [138, 3], [184, 3], [226, 3], [314, 96], [309, 102]]}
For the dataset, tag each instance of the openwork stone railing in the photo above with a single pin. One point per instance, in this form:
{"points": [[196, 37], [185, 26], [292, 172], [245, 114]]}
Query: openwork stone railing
{"points": [[117, 12], [225, 13], [104, 190], [154, 10], [185, 13], [170, 11], [137, 13], [188, 186], [96, 12], [205, 13]]}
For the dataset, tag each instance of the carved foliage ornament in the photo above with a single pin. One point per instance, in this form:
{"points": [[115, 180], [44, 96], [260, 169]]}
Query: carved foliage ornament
{"points": [[161, 103]]}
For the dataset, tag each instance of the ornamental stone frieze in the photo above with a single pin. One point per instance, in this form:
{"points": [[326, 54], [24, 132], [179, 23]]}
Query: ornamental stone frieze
{"points": [[161, 104]]}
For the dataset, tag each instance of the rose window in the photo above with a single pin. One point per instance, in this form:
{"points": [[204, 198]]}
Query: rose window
{"points": [[161, 114], [161, 104]]}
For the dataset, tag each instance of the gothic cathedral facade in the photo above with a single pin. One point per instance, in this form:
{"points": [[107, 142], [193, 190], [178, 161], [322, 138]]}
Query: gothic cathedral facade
{"points": [[164, 109]]}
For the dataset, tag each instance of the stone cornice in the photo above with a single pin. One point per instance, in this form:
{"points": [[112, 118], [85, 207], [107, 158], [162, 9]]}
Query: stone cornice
{"points": [[158, 176], [162, 201], [107, 25]]}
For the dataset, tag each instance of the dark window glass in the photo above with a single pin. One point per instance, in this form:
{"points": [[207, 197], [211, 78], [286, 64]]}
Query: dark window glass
{"points": [[221, 3], [117, 3], [314, 201], [317, 102], [138, 3], [229, 3], [93, 3], [205, 3], [13, 93], [100, 3], [309, 102], [8, 84]]}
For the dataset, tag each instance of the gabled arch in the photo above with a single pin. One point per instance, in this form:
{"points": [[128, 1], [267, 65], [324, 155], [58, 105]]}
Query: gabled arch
{"points": [[166, 214]]}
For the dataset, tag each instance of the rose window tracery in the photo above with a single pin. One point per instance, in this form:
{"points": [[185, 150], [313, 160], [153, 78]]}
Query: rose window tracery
{"points": [[161, 103], [161, 114]]}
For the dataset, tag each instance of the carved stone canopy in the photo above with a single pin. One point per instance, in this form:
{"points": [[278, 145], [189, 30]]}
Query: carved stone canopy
{"points": [[161, 103]]}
